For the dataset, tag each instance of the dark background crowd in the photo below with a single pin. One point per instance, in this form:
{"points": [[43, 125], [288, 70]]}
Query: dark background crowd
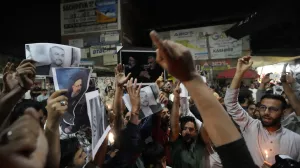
{"points": [[223, 126]]}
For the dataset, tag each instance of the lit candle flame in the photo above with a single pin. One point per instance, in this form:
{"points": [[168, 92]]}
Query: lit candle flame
{"points": [[109, 106], [111, 138], [266, 152]]}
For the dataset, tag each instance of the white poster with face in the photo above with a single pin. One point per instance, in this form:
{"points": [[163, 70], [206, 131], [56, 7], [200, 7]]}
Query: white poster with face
{"points": [[278, 90], [48, 55], [149, 105], [295, 69], [184, 106], [98, 120]]}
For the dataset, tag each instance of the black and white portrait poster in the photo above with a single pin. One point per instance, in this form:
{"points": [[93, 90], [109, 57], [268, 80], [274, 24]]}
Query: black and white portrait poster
{"points": [[76, 81], [149, 101], [48, 56], [142, 65], [278, 90], [98, 119], [295, 70]]}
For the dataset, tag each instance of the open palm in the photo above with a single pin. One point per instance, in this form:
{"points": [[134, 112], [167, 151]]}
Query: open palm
{"points": [[10, 82], [9, 79], [120, 76], [266, 79]]}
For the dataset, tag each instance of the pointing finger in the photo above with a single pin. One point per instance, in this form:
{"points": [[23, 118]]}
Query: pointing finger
{"points": [[156, 40]]}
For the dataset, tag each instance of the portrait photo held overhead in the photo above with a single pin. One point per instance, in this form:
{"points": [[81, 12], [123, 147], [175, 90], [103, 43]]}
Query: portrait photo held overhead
{"points": [[48, 56], [141, 64], [149, 101], [76, 81], [98, 119]]}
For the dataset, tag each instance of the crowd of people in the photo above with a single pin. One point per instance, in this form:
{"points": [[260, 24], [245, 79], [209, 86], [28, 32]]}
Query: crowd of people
{"points": [[239, 127]]}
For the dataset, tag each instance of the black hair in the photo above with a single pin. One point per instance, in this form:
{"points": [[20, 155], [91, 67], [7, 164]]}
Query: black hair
{"points": [[152, 154], [21, 107], [276, 97], [185, 119], [43, 107], [245, 92], [44, 90], [251, 102], [107, 89], [68, 148], [241, 99]]}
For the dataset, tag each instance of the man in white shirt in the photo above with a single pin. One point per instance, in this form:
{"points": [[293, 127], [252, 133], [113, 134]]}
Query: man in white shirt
{"points": [[265, 138], [253, 90], [43, 96]]}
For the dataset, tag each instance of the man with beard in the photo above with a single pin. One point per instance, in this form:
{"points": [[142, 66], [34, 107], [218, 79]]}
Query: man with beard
{"points": [[57, 57], [187, 150], [266, 136], [133, 67], [74, 95], [161, 131], [151, 71]]}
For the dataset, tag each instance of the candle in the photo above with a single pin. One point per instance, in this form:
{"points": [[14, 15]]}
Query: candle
{"points": [[266, 164], [266, 152], [111, 138]]}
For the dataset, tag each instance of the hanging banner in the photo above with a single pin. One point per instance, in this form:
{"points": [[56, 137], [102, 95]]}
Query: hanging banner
{"points": [[194, 39], [106, 11], [81, 17]]}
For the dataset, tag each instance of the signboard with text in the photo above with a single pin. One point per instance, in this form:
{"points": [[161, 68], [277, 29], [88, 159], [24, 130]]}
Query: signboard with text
{"points": [[81, 17], [220, 45]]}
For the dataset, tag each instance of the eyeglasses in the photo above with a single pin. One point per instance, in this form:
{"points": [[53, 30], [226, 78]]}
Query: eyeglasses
{"points": [[271, 109]]}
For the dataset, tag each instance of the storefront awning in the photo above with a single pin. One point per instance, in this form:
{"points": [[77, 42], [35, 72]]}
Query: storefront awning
{"points": [[229, 74]]}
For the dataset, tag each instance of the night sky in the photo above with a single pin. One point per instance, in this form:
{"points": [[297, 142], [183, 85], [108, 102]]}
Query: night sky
{"points": [[40, 21], [28, 23]]}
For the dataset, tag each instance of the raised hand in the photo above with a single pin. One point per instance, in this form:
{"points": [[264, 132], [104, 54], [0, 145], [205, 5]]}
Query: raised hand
{"points": [[266, 79], [244, 64], [175, 58], [134, 94], [57, 105], [287, 78], [121, 79], [9, 79], [177, 90], [23, 144], [25, 74], [160, 81], [163, 99], [290, 79]]}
